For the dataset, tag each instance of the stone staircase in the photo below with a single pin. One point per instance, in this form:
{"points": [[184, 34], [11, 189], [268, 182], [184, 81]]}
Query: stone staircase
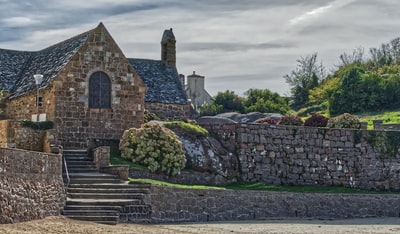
{"points": [[99, 197]]}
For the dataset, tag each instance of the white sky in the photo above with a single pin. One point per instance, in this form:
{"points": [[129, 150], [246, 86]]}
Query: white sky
{"points": [[235, 44]]}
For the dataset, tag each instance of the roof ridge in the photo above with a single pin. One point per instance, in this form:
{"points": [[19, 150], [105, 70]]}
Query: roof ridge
{"points": [[66, 40]]}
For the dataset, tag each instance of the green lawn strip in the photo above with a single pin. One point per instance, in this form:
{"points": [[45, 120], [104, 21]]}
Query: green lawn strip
{"points": [[117, 160], [163, 183]]}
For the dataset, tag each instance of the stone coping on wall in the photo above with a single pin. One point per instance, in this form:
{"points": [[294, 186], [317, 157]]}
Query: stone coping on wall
{"points": [[170, 205]]}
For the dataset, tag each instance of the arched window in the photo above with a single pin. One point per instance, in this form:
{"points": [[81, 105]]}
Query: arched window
{"points": [[99, 90]]}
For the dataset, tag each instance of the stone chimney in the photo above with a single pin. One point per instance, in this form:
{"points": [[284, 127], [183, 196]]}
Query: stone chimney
{"points": [[168, 48]]}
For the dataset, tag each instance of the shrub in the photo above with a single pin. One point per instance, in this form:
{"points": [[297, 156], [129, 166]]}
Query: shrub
{"points": [[155, 147], [316, 120], [267, 120], [345, 120], [44, 125], [290, 120]]}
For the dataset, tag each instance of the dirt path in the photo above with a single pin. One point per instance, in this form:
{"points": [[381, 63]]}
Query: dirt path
{"points": [[61, 224]]}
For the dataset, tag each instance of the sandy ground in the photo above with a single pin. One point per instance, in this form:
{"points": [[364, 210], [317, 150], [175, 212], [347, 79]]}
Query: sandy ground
{"points": [[61, 224]]}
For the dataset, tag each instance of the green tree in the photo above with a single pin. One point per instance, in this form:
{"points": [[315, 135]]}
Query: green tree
{"points": [[265, 101], [347, 97], [307, 75], [230, 101]]}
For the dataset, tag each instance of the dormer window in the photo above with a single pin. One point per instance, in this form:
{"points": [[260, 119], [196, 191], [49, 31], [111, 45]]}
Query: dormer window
{"points": [[99, 90]]}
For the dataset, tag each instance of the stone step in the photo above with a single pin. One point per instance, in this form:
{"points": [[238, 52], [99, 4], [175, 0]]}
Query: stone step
{"points": [[113, 189], [93, 175], [112, 220], [100, 180], [79, 163], [105, 195], [82, 170], [122, 185], [78, 159], [102, 202], [92, 207], [95, 212]]}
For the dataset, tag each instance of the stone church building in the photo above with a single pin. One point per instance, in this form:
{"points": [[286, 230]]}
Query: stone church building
{"points": [[89, 89]]}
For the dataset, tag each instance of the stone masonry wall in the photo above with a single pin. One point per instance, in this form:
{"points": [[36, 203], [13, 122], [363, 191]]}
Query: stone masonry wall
{"points": [[200, 205], [76, 123], [294, 155], [22, 108], [31, 185], [167, 111], [14, 135]]}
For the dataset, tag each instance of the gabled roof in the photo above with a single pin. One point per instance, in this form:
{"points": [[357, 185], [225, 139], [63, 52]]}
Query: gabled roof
{"points": [[162, 81], [18, 67]]}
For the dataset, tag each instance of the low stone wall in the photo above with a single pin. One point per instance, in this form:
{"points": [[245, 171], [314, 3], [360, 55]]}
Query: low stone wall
{"points": [[31, 185], [313, 156], [378, 125], [185, 177], [198, 205], [14, 135]]}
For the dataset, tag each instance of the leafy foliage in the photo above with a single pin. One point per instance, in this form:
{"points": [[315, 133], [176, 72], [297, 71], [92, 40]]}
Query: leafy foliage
{"points": [[290, 120], [265, 101], [307, 75], [345, 120], [155, 147], [316, 120], [230, 101], [44, 125], [210, 109]]}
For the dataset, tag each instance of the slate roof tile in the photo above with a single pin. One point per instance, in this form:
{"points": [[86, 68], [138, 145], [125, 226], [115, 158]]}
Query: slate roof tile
{"points": [[162, 81], [47, 62]]}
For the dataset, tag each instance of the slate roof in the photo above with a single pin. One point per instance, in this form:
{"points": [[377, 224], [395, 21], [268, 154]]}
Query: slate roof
{"points": [[18, 67], [162, 81]]}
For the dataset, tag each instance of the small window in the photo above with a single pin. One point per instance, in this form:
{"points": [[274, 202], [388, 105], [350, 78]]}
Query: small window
{"points": [[99, 90]]}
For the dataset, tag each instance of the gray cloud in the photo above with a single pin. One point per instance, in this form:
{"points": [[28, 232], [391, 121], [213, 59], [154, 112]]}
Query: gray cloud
{"points": [[229, 47], [235, 44]]}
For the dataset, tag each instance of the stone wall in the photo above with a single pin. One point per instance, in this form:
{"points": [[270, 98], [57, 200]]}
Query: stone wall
{"points": [[378, 125], [76, 123], [199, 205], [22, 108], [168, 111], [313, 156], [14, 135], [31, 185]]}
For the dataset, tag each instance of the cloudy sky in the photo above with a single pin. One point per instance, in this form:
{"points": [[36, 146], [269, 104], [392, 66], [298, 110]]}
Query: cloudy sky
{"points": [[235, 44]]}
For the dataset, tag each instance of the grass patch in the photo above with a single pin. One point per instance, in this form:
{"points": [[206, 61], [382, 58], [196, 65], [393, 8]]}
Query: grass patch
{"points": [[163, 183], [188, 128], [388, 117]]}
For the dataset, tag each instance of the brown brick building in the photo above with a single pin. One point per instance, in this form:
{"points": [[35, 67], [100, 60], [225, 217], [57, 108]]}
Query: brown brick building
{"points": [[90, 90]]}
